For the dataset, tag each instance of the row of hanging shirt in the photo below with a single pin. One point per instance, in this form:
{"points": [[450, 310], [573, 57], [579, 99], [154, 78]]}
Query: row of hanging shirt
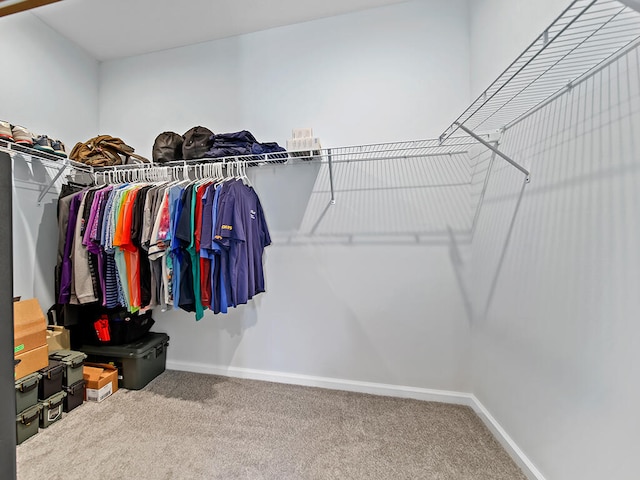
{"points": [[189, 244]]}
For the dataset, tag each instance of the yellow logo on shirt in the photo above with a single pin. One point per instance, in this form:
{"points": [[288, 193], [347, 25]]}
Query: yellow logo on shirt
{"points": [[227, 227], [217, 237]]}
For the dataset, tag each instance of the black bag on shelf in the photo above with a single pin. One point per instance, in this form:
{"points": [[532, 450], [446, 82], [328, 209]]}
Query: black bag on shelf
{"points": [[196, 142], [167, 147]]}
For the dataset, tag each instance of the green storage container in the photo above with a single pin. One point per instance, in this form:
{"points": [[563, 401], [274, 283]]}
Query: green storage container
{"points": [[138, 362], [73, 362], [27, 391], [27, 423], [52, 409]]}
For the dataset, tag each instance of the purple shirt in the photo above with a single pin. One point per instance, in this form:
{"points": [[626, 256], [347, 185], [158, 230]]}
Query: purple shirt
{"points": [[66, 270]]}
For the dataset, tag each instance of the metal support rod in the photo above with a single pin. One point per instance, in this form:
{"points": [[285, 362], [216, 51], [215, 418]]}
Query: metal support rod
{"points": [[53, 180], [456, 261], [495, 150], [482, 194], [333, 196]]}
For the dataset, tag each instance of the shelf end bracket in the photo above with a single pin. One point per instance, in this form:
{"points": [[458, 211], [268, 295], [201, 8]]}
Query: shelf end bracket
{"points": [[46, 189], [494, 149]]}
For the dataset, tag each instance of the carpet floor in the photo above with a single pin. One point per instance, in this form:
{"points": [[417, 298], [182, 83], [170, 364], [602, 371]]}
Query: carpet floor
{"points": [[193, 426]]}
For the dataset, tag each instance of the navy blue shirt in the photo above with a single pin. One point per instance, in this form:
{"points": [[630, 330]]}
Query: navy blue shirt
{"points": [[184, 237], [242, 230]]}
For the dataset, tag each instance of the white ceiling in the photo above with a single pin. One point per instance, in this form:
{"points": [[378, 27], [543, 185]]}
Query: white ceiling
{"points": [[109, 29]]}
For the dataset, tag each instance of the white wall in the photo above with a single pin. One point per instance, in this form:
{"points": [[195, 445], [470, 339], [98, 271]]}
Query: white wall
{"points": [[555, 357], [500, 30], [373, 76], [387, 313], [50, 86]]}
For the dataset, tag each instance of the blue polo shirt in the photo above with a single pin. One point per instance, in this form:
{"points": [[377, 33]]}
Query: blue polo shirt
{"points": [[242, 231]]}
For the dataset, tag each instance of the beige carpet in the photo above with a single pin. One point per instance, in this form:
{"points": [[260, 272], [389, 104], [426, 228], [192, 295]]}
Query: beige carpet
{"points": [[192, 426]]}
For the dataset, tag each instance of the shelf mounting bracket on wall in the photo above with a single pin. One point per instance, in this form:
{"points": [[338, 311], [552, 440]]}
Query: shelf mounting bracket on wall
{"points": [[495, 150], [47, 187]]}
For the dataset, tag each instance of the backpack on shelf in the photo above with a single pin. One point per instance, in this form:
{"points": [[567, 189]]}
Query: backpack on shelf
{"points": [[167, 147], [197, 141], [105, 151]]}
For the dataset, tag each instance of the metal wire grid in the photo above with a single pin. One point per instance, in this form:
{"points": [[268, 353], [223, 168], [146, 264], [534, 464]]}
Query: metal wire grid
{"points": [[378, 151], [398, 150], [47, 158], [585, 35], [383, 198]]}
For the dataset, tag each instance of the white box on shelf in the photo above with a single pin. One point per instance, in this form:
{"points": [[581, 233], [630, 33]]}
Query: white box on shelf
{"points": [[302, 133]]}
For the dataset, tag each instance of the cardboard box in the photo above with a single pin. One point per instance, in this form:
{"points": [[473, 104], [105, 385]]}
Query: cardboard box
{"points": [[58, 338], [29, 326], [31, 361], [102, 381]]}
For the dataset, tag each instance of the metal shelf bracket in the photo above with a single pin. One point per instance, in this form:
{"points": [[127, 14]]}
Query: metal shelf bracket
{"points": [[47, 187], [495, 150]]}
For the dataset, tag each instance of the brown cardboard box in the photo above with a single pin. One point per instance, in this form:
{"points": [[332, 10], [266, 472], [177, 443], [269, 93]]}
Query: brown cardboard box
{"points": [[29, 326], [102, 381], [58, 338], [31, 361]]}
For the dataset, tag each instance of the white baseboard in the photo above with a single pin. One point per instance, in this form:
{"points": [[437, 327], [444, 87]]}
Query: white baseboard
{"points": [[425, 394], [324, 382], [506, 441]]}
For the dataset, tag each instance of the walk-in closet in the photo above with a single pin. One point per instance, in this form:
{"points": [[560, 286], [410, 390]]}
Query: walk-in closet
{"points": [[448, 282]]}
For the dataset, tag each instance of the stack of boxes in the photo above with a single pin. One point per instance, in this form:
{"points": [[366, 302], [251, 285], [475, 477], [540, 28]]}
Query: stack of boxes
{"points": [[50, 393], [29, 337], [49, 376], [30, 355], [303, 144], [72, 378]]}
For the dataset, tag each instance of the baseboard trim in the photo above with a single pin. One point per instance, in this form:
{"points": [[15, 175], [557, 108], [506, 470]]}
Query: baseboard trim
{"points": [[400, 391], [326, 382], [505, 440]]}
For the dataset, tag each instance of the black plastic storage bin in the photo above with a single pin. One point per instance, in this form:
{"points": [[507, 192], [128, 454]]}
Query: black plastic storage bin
{"points": [[51, 381], [75, 396], [138, 362]]}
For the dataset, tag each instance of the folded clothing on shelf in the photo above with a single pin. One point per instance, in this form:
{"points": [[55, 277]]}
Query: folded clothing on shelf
{"points": [[239, 144]]}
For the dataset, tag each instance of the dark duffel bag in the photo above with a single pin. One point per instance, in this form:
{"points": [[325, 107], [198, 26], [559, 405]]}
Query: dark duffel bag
{"points": [[196, 142], [117, 327], [167, 147]]}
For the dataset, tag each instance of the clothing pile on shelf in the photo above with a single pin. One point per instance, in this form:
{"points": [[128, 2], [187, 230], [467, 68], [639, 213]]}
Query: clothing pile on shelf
{"points": [[238, 144], [191, 245]]}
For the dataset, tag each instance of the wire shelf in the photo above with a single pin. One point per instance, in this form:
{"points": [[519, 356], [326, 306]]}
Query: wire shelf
{"points": [[46, 158], [379, 151], [583, 37]]}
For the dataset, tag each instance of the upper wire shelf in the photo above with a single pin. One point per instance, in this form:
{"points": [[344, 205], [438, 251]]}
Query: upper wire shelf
{"points": [[583, 37], [49, 158], [379, 151], [45, 158]]}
